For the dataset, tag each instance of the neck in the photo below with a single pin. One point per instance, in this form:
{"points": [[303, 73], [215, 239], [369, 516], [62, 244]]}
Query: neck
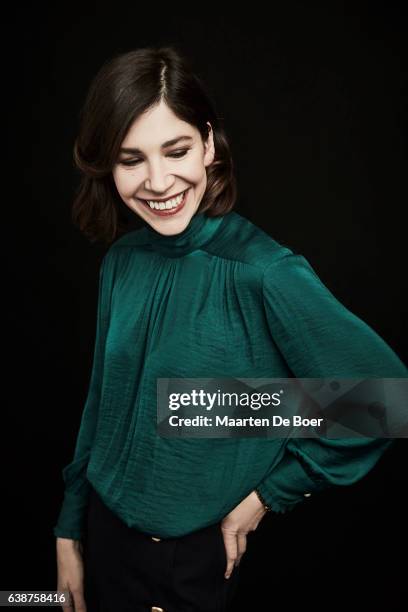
{"points": [[198, 232]]}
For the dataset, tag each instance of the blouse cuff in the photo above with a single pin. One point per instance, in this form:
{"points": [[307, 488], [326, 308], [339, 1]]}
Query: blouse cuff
{"points": [[290, 483], [71, 520]]}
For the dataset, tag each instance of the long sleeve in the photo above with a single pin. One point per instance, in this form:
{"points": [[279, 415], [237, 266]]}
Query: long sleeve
{"points": [[71, 518], [319, 337]]}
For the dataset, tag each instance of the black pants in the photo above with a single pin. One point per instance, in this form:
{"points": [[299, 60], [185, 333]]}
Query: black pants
{"points": [[126, 570]]}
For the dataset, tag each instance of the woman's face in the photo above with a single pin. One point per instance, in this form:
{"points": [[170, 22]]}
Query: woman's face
{"points": [[150, 169]]}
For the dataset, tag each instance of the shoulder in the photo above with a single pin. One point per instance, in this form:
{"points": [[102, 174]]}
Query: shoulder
{"points": [[280, 267], [120, 248], [242, 240], [276, 259], [134, 238]]}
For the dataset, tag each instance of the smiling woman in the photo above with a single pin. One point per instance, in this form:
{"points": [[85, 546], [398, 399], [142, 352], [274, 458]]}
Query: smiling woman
{"points": [[164, 190], [150, 139], [197, 291], [150, 143]]}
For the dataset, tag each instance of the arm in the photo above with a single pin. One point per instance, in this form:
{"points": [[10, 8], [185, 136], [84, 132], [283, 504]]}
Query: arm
{"points": [[72, 513], [319, 337]]}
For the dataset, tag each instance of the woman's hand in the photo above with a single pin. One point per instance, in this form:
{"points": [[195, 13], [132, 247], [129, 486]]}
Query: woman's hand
{"points": [[71, 572], [235, 526]]}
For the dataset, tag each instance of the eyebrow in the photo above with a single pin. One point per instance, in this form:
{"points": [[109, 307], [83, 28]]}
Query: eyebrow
{"points": [[168, 143]]}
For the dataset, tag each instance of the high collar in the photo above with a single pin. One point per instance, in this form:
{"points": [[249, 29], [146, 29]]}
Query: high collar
{"points": [[198, 232]]}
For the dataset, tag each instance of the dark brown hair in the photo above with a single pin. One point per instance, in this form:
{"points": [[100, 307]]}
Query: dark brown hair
{"points": [[125, 87]]}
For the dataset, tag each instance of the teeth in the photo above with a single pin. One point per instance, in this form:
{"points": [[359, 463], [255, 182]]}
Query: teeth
{"points": [[167, 204]]}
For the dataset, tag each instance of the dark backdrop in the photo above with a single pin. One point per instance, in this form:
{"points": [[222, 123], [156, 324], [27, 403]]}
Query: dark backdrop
{"points": [[314, 101]]}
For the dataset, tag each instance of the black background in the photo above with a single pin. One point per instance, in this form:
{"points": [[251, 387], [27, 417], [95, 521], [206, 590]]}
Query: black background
{"points": [[314, 102]]}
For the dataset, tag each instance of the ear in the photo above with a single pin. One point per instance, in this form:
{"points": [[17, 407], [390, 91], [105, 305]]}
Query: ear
{"points": [[209, 148]]}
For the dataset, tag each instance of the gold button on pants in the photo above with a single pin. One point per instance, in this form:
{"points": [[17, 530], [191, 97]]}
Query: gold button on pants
{"points": [[131, 570]]}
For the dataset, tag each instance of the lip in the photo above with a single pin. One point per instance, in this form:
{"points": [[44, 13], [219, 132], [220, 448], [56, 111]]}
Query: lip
{"points": [[164, 199], [168, 212]]}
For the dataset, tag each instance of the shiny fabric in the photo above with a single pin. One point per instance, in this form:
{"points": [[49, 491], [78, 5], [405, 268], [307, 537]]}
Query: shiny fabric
{"points": [[220, 299]]}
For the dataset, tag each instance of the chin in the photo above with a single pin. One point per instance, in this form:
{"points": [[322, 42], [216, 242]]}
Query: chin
{"points": [[171, 225]]}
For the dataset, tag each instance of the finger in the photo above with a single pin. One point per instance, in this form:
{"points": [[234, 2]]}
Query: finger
{"points": [[69, 603], [231, 548], [242, 545], [79, 601]]}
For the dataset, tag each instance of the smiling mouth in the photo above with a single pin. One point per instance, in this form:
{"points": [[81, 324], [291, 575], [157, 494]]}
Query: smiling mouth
{"points": [[166, 211]]}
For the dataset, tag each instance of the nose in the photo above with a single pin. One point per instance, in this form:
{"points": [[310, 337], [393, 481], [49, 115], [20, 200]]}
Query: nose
{"points": [[156, 181]]}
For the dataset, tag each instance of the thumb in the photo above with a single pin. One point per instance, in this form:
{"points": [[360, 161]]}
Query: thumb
{"points": [[67, 603], [79, 600]]}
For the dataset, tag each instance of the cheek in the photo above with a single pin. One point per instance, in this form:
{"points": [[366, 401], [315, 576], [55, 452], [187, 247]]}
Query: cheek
{"points": [[125, 182], [194, 170]]}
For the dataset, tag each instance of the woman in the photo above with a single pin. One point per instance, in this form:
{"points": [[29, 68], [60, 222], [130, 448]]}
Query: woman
{"points": [[150, 523]]}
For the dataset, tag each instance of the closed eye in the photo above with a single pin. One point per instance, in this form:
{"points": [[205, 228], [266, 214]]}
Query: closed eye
{"points": [[175, 154]]}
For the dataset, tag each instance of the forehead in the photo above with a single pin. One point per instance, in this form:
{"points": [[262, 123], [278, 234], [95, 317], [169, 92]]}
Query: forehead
{"points": [[155, 128]]}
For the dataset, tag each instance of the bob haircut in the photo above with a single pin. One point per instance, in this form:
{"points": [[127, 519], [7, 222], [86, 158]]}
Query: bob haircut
{"points": [[125, 87]]}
